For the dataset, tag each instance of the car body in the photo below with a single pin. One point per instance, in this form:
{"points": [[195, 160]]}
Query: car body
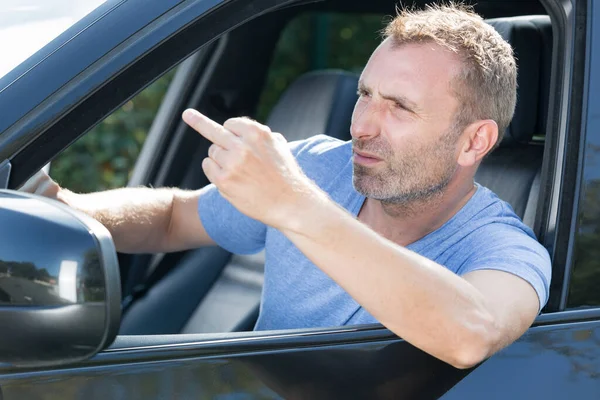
{"points": [[61, 91]]}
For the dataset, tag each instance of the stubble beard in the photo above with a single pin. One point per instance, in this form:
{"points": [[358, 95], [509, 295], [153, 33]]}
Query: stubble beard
{"points": [[419, 175]]}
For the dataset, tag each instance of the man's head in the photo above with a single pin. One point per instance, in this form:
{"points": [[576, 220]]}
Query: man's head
{"points": [[435, 98]]}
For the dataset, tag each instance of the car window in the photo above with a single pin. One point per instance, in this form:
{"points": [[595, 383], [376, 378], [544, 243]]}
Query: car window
{"points": [[584, 290], [315, 41], [104, 157], [585, 279], [35, 23]]}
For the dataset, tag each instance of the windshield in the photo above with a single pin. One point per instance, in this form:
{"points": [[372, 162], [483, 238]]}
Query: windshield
{"points": [[28, 25]]}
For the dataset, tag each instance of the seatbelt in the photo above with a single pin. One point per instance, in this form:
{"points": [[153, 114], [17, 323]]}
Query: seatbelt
{"points": [[147, 270], [532, 201]]}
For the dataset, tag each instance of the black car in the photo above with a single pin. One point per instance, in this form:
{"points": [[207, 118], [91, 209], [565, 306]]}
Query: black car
{"points": [[80, 321]]}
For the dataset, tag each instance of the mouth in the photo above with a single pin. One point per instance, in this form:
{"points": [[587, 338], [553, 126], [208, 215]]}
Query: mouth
{"points": [[363, 158]]}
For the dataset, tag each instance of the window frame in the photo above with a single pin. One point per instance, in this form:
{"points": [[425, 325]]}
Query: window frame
{"points": [[557, 211], [589, 82], [144, 56]]}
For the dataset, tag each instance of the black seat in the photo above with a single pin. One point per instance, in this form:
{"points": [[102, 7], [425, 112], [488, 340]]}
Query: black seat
{"points": [[317, 102], [512, 171]]}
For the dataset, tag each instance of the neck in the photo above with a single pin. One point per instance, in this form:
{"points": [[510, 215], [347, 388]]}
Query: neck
{"points": [[406, 223]]}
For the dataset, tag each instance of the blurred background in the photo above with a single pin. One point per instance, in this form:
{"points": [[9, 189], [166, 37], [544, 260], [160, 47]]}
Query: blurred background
{"points": [[104, 158]]}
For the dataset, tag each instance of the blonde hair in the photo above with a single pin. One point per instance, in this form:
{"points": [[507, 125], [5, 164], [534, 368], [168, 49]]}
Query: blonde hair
{"points": [[486, 87]]}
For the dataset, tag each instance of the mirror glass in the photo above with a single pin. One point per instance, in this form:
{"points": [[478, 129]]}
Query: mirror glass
{"points": [[58, 282]]}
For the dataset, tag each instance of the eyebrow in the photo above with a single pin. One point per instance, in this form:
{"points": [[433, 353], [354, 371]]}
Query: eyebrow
{"points": [[403, 101]]}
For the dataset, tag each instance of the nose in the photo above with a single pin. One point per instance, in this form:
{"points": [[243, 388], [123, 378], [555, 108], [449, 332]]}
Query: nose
{"points": [[365, 121]]}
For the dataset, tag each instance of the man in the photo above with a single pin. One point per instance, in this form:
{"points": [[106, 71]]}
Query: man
{"points": [[390, 227]]}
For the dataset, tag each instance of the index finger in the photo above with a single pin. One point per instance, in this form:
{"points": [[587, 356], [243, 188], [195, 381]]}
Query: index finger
{"points": [[208, 128]]}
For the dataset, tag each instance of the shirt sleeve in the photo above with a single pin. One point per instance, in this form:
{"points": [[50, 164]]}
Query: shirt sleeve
{"points": [[228, 227], [233, 230], [510, 249]]}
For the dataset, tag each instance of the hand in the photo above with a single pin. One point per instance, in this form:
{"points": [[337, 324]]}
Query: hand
{"points": [[41, 184], [252, 167]]}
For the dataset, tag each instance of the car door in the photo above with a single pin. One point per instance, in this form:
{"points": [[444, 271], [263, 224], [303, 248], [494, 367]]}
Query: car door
{"points": [[558, 357]]}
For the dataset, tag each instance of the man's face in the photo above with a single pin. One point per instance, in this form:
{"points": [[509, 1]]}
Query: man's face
{"points": [[404, 139]]}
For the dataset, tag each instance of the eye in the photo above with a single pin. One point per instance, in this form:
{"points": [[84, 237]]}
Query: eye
{"points": [[363, 93], [399, 106]]}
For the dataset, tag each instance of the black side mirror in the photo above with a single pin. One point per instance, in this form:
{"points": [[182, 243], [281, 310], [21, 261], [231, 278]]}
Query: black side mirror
{"points": [[60, 291]]}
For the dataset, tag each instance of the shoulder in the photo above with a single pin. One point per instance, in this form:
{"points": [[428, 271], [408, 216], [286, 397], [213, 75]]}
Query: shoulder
{"points": [[492, 220], [321, 156], [319, 145], [498, 239], [494, 214]]}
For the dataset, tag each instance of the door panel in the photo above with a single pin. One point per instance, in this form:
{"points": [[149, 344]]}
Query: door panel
{"points": [[382, 368], [548, 362], [558, 362]]}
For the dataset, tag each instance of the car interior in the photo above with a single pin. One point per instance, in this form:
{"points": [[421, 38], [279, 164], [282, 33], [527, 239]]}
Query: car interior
{"points": [[209, 290]]}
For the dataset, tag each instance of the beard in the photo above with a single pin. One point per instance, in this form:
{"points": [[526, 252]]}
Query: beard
{"points": [[419, 173]]}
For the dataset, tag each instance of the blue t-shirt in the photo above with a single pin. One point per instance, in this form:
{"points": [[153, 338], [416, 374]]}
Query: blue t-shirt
{"points": [[484, 234]]}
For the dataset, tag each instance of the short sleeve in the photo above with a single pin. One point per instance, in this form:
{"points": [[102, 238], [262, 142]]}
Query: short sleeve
{"points": [[510, 249], [235, 231], [228, 227]]}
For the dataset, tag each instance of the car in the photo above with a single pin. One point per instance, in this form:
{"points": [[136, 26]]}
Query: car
{"points": [[82, 321]]}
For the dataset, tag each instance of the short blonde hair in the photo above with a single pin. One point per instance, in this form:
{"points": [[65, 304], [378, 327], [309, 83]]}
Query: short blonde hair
{"points": [[487, 85]]}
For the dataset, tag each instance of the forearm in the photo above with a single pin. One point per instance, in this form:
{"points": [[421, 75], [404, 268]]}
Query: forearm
{"points": [[137, 218], [419, 300]]}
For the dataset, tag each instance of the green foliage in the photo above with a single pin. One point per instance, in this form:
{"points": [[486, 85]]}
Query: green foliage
{"points": [[352, 40], [104, 157]]}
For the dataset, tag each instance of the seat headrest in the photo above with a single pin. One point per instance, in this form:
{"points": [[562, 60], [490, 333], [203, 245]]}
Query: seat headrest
{"points": [[531, 39], [319, 102]]}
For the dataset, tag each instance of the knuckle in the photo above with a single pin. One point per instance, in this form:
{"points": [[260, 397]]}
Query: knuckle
{"points": [[263, 128], [260, 133], [251, 130], [252, 135], [231, 123]]}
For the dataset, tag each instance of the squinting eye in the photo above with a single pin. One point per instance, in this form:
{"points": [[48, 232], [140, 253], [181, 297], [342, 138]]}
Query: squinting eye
{"points": [[362, 93]]}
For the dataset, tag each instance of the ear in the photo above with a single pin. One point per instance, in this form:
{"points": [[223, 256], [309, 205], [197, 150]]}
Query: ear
{"points": [[479, 139]]}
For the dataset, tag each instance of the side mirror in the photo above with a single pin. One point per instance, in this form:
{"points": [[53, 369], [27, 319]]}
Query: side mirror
{"points": [[60, 291]]}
